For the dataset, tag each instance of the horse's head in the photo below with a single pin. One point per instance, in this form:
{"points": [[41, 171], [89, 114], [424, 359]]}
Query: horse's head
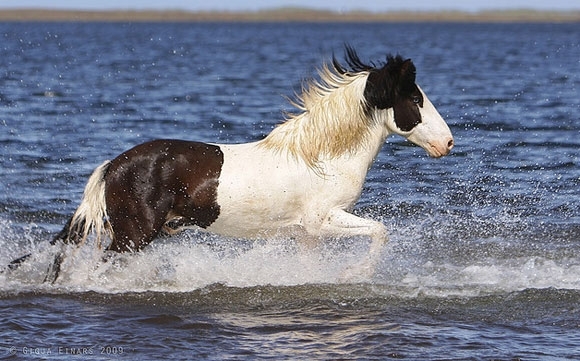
{"points": [[392, 93]]}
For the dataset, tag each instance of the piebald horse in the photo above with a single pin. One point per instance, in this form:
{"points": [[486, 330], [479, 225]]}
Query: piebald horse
{"points": [[307, 174]]}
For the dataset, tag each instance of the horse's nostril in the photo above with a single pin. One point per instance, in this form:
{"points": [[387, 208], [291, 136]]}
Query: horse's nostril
{"points": [[450, 144]]}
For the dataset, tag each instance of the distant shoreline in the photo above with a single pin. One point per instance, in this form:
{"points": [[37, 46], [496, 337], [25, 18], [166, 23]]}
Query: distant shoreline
{"points": [[288, 15]]}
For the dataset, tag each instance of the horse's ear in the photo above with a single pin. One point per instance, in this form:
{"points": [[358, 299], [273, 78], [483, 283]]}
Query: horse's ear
{"points": [[408, 70], [407, 75], [402, 71]]}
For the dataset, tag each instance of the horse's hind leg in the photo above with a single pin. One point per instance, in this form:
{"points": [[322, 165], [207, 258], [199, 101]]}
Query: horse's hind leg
{"points": [[54, 267], [132, 228], [16, 263], [66, 236], [131, 236], [53, 270]]}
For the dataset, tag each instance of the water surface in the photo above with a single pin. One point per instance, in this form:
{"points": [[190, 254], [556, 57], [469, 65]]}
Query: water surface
{"points": [[483, 255]]}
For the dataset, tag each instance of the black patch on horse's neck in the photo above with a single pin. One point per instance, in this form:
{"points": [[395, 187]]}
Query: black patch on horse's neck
{"points": [[389, 85]]}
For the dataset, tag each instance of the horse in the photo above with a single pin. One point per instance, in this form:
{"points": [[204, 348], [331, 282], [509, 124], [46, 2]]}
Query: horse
{"points": [[307, 174]]}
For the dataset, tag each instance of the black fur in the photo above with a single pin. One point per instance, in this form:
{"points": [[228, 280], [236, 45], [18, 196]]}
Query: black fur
{"points": [[389, 85]]}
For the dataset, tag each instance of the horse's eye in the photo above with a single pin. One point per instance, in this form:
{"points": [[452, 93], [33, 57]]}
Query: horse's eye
{"points": [[416, 99]]}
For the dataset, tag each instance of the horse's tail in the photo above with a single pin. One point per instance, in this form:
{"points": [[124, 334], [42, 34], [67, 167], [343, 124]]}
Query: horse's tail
{"points": [[91, 215]]}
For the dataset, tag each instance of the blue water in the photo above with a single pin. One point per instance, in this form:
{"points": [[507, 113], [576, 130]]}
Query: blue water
{"points": [[483, 261]]}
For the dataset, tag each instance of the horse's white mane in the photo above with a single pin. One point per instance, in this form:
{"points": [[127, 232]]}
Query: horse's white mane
{"points": [[333, 120]]}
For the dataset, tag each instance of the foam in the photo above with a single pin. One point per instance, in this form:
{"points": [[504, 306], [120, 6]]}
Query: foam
{"points": [[187, 263], [489, 276], [194, 260]]}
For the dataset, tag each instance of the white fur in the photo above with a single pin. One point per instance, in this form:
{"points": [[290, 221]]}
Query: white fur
{"points": [[93, 209], [295, 178], [432, 134], [307, 174]]}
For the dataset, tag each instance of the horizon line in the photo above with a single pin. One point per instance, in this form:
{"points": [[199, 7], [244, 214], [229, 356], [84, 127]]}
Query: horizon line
{"points": [[289, 14]]}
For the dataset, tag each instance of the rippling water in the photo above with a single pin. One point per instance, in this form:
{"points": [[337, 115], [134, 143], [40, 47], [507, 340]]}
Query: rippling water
{"points": [[483, 261]]}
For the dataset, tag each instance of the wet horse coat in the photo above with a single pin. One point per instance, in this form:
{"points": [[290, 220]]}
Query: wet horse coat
{"points": [[160, 185], [308, 173]]}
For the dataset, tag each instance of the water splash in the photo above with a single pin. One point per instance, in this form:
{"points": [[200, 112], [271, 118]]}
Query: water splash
{"points": [[187, 262], [416, 262]]}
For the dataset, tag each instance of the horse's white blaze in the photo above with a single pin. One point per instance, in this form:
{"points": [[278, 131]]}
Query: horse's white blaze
{"points": [[432, 134]]}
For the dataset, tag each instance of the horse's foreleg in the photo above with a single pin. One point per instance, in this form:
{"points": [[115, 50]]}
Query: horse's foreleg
{"points": [[341, 223]]}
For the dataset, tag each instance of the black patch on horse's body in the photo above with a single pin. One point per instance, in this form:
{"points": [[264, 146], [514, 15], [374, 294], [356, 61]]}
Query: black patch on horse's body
{"points": [[390, 85], [159, 182]]}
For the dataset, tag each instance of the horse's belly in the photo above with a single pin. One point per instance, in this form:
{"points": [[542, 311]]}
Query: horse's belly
{"points": [[245, 216]]}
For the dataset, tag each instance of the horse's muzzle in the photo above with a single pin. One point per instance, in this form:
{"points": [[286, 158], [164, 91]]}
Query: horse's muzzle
{"points": [[440, 149]]}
